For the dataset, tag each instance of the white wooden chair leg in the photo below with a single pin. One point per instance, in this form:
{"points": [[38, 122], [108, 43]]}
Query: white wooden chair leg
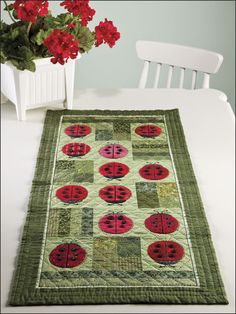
{"points": [[70, 75]]}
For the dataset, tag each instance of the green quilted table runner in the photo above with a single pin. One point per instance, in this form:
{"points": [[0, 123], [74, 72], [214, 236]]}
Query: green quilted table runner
{"points": [[115, 215]]}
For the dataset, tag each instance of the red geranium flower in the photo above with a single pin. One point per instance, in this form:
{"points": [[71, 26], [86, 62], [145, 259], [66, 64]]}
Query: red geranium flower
{"points": [[28, 10], [81, 8], [62, 46], [106, 32], [70, 26]]}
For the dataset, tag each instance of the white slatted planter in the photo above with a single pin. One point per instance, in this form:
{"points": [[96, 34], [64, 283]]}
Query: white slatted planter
{"points": [[49, 84]]}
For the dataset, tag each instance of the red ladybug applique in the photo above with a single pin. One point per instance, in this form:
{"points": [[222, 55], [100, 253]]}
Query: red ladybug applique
{"points": [[114, 170], [72, 193], [148, 130], [115, 223], [154, 172], [67, 255], [77, 130], [115, 193], [166, 252], [161, 223], [113, 151], [75, 149]]}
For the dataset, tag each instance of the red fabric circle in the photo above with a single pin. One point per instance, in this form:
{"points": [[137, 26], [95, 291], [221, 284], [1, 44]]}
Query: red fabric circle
{"points": [[154, 172], [67, 255], [75, 149], [77, 130], [114, 170], [166, 252], [115, 193], [115, 223], [72, 193], [148, 130], [161, 223]]}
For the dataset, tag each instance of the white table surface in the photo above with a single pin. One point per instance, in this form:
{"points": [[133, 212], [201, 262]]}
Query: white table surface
{"points": [[208, 122]]}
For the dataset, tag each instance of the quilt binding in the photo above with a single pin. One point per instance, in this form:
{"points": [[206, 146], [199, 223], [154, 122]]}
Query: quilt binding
{"points": [[23, 290]]}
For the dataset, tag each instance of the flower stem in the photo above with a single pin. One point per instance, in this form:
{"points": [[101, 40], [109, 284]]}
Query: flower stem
{"points": [[28, 28], [9, 11]]}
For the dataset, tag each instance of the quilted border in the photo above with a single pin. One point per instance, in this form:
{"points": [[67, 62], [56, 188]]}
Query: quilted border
{"points": [[23, 291]]}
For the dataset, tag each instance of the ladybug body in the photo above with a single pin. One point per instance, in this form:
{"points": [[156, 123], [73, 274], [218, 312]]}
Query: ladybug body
{"points": [[77, 130], [72, 193], [76, 149], [114, 170], [115, 194], [148, 130], [166, 252], [161, 223], [154, 172], [115, 223], [67, 255], [113, 151]]}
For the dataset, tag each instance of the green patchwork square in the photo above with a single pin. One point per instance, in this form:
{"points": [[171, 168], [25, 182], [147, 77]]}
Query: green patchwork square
{"points": [[74, 170]]}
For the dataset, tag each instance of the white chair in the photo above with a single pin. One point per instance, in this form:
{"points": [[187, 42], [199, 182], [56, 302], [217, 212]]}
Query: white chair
{"points": [[194, 59]]}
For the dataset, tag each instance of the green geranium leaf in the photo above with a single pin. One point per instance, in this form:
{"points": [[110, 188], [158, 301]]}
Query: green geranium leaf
{"points": [[40, 36], [14, 13], [30, 65], [15, 33], [25, 53], [86, 38], [23, 65], [3, 57], [9, 7]]}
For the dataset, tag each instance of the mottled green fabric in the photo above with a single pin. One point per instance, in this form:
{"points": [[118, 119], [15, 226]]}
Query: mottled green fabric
{"points": [[117, 268]]}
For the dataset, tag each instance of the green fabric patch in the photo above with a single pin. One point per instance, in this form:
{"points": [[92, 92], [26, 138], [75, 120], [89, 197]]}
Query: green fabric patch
{"points": [[104, 131], [87, 222], [74, 171], [147, 196], [121, 130]]}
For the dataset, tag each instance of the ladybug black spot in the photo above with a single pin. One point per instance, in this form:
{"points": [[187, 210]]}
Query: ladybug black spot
{"points": [[73, 249], [120, 217]]}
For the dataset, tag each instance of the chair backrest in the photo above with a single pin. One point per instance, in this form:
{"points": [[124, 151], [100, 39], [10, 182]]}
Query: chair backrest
{"points": [[194, 59]]}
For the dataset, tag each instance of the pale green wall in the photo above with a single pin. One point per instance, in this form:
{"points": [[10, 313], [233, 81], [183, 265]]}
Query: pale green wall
{"points": [[204, 24]]}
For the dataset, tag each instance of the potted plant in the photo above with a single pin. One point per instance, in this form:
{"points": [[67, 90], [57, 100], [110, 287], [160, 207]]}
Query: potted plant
{"points": [[38, 50]]}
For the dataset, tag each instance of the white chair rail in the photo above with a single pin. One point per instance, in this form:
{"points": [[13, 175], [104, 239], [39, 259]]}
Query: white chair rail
{"points": [[177, 56]]}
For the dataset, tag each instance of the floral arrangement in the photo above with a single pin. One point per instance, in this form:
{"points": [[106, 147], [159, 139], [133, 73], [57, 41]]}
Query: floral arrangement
{"points": [[36, 33]]}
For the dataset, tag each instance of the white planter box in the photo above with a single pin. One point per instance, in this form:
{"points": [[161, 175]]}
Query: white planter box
{"points": [[50, 83]]}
